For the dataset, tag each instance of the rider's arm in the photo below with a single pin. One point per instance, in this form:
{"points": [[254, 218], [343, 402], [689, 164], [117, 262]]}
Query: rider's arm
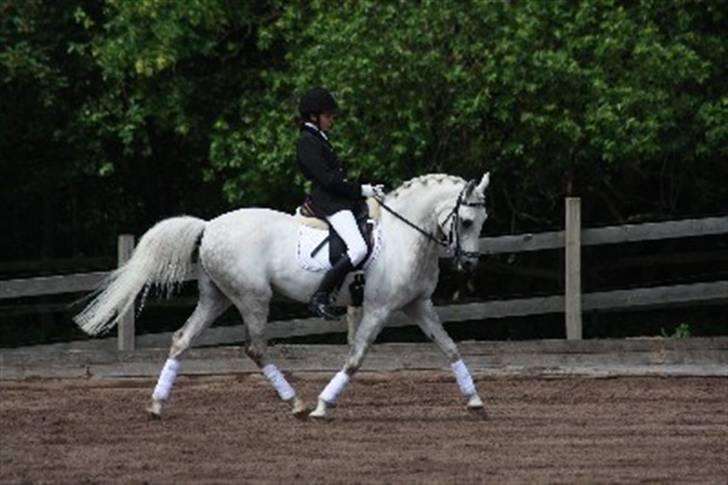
{"points": [[310, 156]]}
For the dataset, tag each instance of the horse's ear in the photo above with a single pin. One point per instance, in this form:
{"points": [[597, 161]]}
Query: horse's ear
{"points": [[469, 187], [484, 182]]}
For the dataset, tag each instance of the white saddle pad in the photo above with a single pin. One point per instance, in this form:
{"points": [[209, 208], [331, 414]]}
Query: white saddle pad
{"points": [[309, 238]]}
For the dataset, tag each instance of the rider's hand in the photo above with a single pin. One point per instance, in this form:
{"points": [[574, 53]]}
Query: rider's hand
{"points": [[367, 190], [372, 191], [379, 191]]}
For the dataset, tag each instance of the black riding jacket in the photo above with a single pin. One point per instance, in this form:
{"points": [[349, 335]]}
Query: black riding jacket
{"points": [[331, 190]]}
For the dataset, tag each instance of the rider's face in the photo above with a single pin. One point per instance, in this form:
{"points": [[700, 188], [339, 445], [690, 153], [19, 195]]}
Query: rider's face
{"points": [[326, 120]]}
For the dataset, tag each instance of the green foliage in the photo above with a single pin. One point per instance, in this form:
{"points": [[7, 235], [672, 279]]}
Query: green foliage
{"points": [[680, 331], [37, 94], [622, 101], [166, 67], [555, 96]]}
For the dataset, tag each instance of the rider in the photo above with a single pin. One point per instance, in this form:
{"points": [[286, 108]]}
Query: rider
{"points": [[332, 197]]}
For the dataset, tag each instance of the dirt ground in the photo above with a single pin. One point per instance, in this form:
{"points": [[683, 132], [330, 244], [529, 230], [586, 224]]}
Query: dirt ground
{"points": [[393, 427]]}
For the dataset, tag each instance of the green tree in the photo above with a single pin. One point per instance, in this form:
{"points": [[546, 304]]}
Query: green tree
{"points": [[169, 69], [138, 109], [41, 149], [600, 97]]}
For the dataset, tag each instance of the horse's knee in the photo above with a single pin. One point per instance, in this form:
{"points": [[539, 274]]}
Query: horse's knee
{"points": [[254, 352]]}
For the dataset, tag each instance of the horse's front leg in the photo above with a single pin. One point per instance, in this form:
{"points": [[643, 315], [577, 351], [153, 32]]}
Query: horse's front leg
{"points": [[370, 326], [423, 312], [353, 318]]}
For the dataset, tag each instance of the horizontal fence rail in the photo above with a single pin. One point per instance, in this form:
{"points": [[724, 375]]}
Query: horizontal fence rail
{"points": [[79, 282], [617, 299], [648, 231], [641, 298]]}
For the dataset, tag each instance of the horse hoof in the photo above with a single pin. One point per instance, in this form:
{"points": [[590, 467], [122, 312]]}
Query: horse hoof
{"points": [[300, 410], [320, 412], [155, 410], [474, 402], [321, 418], [476, 407]]}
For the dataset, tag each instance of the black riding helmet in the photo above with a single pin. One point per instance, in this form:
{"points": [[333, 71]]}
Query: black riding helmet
{"points": [[316, 101]]}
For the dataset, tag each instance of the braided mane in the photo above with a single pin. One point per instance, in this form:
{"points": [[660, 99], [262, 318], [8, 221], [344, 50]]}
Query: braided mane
{"points": [[423, 181]]}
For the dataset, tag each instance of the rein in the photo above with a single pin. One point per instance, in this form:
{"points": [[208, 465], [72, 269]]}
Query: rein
{"points": [[454, 234], [411, 224]]}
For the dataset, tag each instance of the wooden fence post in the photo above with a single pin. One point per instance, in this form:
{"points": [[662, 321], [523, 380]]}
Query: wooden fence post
{"points": [[573, 268], [126, 323]]}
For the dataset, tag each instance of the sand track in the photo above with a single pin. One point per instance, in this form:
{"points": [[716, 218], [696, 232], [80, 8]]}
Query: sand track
{"points": [[390, 427]]}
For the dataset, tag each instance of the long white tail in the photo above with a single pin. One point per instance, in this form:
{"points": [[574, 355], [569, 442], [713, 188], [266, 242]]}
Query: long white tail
{"points": [[162, 259]]}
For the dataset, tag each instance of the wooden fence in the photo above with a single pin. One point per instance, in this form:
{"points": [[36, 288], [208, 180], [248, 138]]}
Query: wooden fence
{"points": [[572, 302]]}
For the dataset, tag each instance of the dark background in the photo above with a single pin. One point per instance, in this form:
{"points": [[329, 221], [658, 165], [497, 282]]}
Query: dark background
{"points": [[114, 115]]}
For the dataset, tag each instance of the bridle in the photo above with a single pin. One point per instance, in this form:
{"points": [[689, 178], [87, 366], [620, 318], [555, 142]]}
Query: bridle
{"points": [[452, 241], [453, 236]]}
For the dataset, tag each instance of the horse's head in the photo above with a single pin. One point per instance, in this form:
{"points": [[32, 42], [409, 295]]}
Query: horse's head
{"points": [[463, 223]]}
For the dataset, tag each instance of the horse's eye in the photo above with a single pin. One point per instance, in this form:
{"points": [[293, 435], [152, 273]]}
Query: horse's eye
{"points": [[467, 223]]}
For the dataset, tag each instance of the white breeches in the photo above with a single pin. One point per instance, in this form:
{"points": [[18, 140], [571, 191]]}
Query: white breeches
{"points": [[344, 224]]}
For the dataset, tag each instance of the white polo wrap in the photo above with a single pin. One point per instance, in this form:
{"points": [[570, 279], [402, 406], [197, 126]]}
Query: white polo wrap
{"points": [[278, 381], [166, 380], [465, 382], [334, 387]]}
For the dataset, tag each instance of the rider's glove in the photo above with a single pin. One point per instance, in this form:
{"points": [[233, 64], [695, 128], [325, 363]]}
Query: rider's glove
{"points": [[372, 191]]}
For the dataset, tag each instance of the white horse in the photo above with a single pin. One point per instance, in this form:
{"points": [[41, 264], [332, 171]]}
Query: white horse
{"points": [[248, 254]]}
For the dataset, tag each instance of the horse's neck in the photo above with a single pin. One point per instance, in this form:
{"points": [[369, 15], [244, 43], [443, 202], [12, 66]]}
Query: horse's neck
{"points": [[420, 207]]}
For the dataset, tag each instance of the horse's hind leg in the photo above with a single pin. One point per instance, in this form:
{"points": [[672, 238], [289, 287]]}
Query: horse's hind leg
{"points": [[423, 312], [212, 302], [254, 311]]}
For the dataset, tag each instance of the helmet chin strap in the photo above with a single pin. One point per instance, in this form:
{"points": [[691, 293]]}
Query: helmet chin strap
{"points": [[315, 119]]}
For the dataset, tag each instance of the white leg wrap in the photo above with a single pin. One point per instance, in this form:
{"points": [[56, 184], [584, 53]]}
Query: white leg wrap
{"points": [[465, 382], [281, 385], [334, 387], [166, 380]]}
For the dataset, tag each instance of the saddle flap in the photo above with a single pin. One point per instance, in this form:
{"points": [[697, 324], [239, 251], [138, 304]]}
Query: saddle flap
{"points": [[363, 213]]}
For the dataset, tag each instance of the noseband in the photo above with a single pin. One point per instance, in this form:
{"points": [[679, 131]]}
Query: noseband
{"points": [[453, 237], [452, 242]]}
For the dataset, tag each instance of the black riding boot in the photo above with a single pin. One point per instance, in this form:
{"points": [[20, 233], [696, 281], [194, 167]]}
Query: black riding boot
{"points": [[320, 303]]}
